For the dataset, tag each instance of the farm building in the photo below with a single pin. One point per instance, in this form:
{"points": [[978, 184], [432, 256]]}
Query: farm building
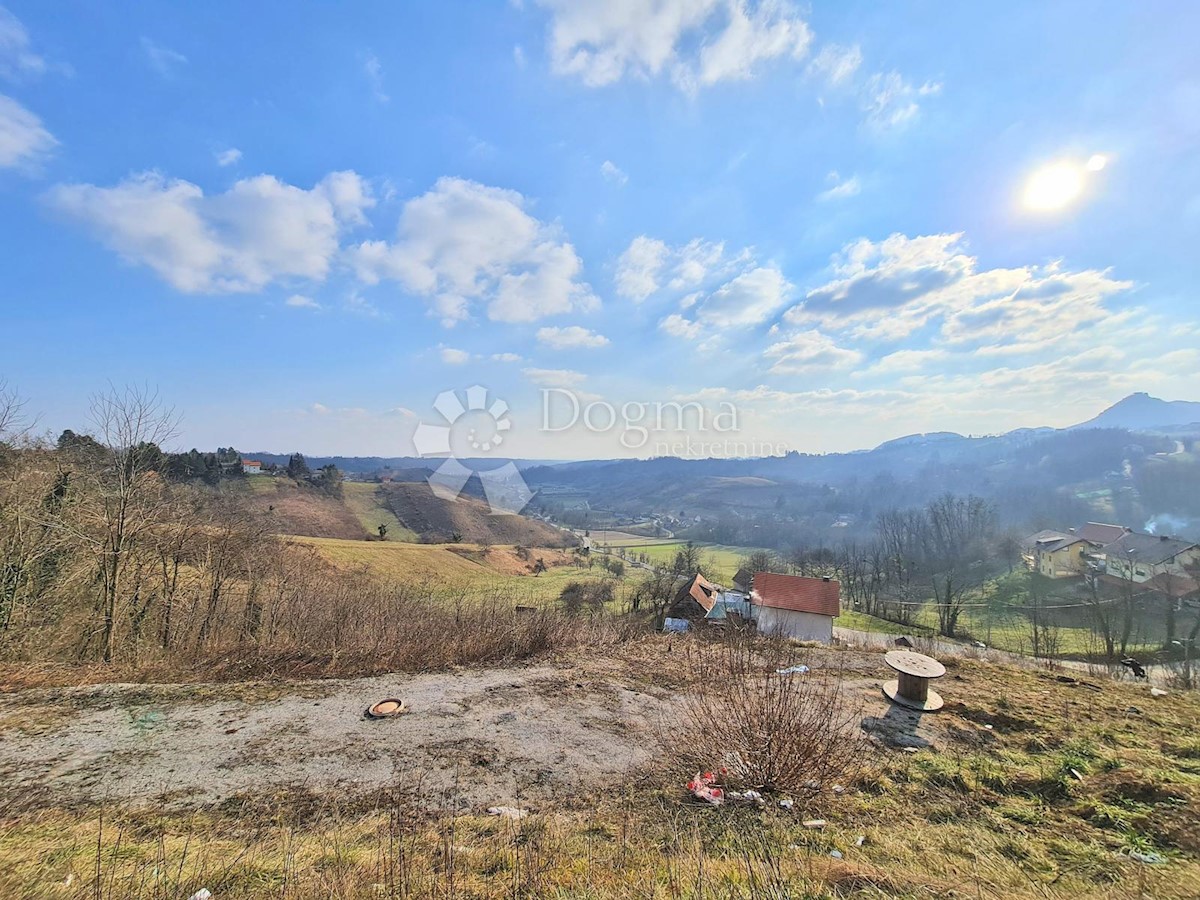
{"points": [[794, 606], [252, 467], [695, 601]]}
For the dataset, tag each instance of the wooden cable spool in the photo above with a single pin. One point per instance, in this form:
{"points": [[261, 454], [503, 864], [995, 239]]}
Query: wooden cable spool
{"points": [[911, 688]]}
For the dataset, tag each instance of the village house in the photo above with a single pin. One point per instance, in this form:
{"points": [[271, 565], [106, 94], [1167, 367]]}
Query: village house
{"points": [[1165, 564], [252, 467], [1056, 554], [795, 606]]}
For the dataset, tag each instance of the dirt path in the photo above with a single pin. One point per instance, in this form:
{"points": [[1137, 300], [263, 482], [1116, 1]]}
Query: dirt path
{"points": [[490, 736]]}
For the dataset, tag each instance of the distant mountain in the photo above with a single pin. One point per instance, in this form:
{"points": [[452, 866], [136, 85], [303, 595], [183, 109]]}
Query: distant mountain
{"points": [[1141, 412], [920, 440]]}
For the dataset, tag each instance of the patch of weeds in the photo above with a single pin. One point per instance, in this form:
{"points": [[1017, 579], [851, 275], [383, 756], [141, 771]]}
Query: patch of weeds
{"points": [[1086, 860], [1185, 748], [991, 774], [938, 771], [1031, 814], [1124, 817]]}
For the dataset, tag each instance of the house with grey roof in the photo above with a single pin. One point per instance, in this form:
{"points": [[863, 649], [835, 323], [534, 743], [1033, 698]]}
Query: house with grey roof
{"points": [[1056, 554], [1138, 558]]}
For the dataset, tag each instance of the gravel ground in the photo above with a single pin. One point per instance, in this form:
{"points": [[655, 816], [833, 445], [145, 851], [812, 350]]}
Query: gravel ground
{"points": [[486, 737]]}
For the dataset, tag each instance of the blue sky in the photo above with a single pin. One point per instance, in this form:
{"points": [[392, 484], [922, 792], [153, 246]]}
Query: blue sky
{"points": [[302, 221]]}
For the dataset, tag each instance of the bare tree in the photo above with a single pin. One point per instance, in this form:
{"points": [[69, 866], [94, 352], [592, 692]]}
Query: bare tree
{"points": [[126, 497]]}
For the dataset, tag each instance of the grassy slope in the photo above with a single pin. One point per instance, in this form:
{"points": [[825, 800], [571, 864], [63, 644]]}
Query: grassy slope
{"points": [[456, 569], [364, 501], [1047, 803], [720, 561]]}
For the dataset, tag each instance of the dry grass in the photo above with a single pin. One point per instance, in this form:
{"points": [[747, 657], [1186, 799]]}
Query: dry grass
{"points": [[765, 730], [1049, 802]]}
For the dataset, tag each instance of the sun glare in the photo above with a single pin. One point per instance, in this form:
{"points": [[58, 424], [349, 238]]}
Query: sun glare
{"points": [[1054, 186], [1058, 184]]}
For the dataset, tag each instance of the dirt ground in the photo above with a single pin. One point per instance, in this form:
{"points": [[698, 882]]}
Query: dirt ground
{"points": [[489, 737]]}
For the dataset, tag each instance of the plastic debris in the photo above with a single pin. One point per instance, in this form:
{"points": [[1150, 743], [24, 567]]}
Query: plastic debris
{"points": [[1075, 773], [792, 670], [860, 840], [979, 645], [1148, 857], [746, 796], [386, 709], [1157, 692], [814, 823], [508, 812], [202, 894], [787, 803], [836, 854], [703, 787]]}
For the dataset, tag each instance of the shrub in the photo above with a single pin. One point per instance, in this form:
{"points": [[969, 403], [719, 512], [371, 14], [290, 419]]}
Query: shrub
{"points": [[768, 731]]}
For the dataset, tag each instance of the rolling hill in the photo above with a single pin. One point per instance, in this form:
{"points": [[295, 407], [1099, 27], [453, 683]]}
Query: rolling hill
{"points": [[1141, 411], [410, 510]]}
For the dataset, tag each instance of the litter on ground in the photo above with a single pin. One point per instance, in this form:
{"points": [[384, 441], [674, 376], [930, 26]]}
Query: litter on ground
{"points": [[703, 787], [1148, 857], [508, 812], [814, 823], [792, 670]]}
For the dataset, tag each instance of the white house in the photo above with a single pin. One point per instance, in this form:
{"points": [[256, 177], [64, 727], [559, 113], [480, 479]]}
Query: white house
{"points": [[794, 606], [251, 467]]}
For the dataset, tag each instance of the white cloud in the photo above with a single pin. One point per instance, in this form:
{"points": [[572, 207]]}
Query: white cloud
{"points": [[677, 326], [228, 157], [299, 301], [24, 140], [809, 351], [904, 361], [889, 289], [453, 357], [639, 267], [748, 299], [648, 264], [506, 357], [612, 173], [259, 231], [373, 69], [769, 30], [840, 187], [463, 243], [554, 377], [162, 59], [16, 57], [891, 101], [836, 64], [571, 337], [695, 42], [519, 56]]}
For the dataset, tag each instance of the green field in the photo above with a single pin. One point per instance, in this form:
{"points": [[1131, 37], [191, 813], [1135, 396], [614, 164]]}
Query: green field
{"points": [[362, 500], [460, 570], [718, 562]]}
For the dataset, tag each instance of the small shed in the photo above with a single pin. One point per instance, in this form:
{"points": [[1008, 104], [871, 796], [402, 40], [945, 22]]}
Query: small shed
{"points": [[694, 602], [743, 580], [795, 606]]}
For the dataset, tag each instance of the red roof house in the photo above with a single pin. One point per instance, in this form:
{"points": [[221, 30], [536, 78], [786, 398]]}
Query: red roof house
{"points": [[795, 606]]}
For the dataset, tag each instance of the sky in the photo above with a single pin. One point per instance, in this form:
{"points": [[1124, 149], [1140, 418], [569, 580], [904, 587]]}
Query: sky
{"points": [[813, 227]]}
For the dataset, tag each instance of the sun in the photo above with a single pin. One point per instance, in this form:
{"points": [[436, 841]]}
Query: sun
{"points": [[1054, 186]]}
